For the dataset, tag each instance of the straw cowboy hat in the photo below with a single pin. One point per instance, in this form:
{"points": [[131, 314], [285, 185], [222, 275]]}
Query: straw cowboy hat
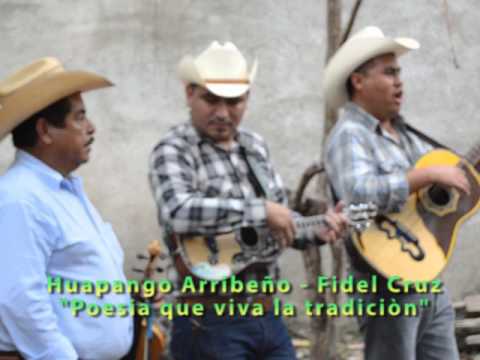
{"points": [[39, 85], [220, 69], [361, 47]]}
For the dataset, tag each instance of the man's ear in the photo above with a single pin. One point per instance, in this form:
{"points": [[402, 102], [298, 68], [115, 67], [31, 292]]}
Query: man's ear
{"points": [[43, 131], [189, 92], [356, 79]]}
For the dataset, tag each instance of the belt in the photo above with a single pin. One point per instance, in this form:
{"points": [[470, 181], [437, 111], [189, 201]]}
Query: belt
{"points": [[208, 301], [10, 355]]}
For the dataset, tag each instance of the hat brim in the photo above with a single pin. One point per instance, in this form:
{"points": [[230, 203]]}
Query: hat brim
{"points": [[39, 94], [350, 56], [228, 90]]}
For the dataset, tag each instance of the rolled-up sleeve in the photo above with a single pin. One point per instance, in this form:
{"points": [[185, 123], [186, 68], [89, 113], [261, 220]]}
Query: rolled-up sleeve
{"points": [[25, 305]]}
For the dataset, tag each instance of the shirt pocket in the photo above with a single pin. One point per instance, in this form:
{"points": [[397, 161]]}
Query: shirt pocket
{"points": [[388, 167], [77, 248]]}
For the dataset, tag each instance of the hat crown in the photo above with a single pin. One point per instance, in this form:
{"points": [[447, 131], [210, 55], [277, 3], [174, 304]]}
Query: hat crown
{"points": [[32, 72], [222, 62], [38, 85], [222, 69], [369, 32]]}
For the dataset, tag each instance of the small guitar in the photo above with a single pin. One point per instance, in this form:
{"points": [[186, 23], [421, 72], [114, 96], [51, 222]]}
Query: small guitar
{"points": [[417, 243], [221, 256]]}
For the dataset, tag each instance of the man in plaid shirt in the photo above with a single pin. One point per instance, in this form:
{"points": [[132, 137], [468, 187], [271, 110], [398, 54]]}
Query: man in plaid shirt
{"points": [[369, 157], [208, 177]]}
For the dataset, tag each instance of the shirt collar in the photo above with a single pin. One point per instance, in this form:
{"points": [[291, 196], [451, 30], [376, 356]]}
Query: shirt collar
{"points": [[50, 176], [194, 138], [192, 135], [368, 120]]}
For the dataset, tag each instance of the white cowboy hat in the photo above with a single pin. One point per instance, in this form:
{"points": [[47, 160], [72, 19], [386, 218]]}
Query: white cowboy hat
{"points": [[39, 85], [361, 47], [220, 69]]}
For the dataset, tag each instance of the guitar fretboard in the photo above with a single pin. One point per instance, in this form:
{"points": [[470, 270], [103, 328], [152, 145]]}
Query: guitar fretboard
{"points": [[358, 216], [304, 225], [473, 156]]}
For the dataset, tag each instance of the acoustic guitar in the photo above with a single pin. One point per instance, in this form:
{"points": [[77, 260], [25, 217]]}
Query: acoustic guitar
{"points": [[417, 243], [221, 256]]}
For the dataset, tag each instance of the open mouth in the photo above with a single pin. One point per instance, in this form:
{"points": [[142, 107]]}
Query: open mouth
{"points": [[90, 142], [398, 96]]}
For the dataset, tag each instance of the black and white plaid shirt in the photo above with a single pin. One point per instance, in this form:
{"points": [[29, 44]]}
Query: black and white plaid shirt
{"points": [[200, 188]]}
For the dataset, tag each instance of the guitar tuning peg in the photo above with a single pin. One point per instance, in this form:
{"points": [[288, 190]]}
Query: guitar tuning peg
{"points": [[137, 270], [142, 257]]}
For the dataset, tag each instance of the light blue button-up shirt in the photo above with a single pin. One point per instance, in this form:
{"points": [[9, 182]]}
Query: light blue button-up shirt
{"points": [[48, 227]]}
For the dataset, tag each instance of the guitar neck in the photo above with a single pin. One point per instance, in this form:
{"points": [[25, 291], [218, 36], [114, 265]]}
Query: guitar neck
{"points": [[358, 217], [473, 156], [305, 225]]}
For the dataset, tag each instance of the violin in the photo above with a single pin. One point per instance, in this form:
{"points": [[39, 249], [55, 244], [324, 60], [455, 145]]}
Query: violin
{"points": [[150, 341]]}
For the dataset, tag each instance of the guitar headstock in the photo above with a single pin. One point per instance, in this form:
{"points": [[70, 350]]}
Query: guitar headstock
{"points": [[361, 215], [154, 252], [148, 272]]}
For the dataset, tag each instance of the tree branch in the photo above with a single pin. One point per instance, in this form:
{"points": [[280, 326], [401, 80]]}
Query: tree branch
{"points": [[449, 30], [351, 21]]}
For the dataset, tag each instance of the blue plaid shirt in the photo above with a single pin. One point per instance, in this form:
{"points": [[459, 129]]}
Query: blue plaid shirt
{"points": [[365, 163]]}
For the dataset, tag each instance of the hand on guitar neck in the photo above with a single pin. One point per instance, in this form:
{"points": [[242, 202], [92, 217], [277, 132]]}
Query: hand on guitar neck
{"points": [[223, 255], [336, 222], [282, 224]]}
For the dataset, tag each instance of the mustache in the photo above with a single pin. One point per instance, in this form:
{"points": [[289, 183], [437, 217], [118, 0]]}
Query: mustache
{"points": [[220, 120]]}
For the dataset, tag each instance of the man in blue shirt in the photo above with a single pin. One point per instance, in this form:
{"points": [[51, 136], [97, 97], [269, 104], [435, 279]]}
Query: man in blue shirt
{"points": [[50, 232]]}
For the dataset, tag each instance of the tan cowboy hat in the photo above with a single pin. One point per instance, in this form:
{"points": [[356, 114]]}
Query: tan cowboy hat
{"points": [[39, 85], [220, 69], [361, 47]]}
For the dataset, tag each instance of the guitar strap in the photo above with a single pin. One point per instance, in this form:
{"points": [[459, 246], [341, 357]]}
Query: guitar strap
{"points": [[256, 175], [426, 138]]}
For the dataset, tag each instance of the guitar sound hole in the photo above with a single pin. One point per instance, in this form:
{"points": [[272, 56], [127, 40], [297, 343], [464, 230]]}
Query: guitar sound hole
{"points": [[439, 195], [249, 236]]}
